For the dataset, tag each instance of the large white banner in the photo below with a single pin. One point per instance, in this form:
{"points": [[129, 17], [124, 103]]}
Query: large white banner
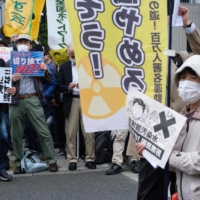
{"points": [[5, 83], [59, 35], [154, 125]]}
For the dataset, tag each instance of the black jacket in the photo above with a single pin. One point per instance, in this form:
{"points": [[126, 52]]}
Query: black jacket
{"points": [[3, 107], [63, 81]]}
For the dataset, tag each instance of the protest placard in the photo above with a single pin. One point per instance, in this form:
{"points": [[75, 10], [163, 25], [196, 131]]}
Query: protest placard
{"points": [[27, 63], [117, 43], [59, 56], [5, 53], [154, 125], [5, 82]]}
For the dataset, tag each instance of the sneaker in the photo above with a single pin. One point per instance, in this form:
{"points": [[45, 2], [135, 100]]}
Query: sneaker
{"points": [[135, 166], [4, 176], [61, 152], [114, 169]]}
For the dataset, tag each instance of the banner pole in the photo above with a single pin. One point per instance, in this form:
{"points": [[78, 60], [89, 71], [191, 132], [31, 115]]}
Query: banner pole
{"points": [[168, 93], [31, 17]]}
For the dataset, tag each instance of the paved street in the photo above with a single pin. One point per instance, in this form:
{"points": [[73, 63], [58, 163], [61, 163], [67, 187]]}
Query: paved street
{"points": [[72, 186], [82, 184]]}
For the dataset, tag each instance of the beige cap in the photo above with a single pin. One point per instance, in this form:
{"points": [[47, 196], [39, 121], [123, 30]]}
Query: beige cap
{"points": [[24, 36], [192, 62]]}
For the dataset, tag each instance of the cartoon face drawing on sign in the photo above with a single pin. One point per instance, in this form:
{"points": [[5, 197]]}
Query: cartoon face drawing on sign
{"points": [[145, 114], [138, 108]]}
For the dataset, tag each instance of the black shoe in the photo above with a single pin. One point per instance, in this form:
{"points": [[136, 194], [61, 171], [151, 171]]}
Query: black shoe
{"points": [[18, 170], [61, 152], [72, 166], [114, 169], [135, 166], [91, 165], [4, 176]]}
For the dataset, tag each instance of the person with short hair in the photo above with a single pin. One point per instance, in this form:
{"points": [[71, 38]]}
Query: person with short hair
{"points": [[48, 60]]}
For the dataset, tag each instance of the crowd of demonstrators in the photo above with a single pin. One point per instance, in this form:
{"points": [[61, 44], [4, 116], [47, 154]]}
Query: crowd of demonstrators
{"points": [[47, 111]]}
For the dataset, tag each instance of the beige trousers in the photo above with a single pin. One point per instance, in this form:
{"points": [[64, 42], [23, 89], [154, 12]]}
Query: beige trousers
{"points": [[71, 129], [118, 146]]}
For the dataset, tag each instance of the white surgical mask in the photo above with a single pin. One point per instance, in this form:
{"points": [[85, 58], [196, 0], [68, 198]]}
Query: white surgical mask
{"points": [[22, 48], [189, 91]]}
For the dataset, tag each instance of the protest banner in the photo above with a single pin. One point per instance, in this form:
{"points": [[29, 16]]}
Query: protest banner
{"points": [[5, 83], [59, 34], [59, 56], [154, 125], [23, 17], [5, 53], [27, 63], [117, 43]]}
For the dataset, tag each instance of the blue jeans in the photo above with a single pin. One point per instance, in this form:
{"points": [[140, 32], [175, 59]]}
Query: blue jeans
{"points": [[4, 143]]}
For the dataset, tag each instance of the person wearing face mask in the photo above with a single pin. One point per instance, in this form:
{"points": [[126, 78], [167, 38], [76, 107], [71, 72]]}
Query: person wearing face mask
{"points": [[27, 99], [185, 156], [68, 84]]}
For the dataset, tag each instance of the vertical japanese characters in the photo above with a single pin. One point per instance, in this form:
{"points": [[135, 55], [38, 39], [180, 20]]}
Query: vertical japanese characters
{"points": [[92, 35], [5, 83], [155, 42], [129, 51], [61, 16]]}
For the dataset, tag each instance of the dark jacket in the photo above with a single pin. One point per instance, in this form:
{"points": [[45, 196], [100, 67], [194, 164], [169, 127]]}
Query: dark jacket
{"points": [[49, 88], [3, 106], [38, 81], [63, 81]]}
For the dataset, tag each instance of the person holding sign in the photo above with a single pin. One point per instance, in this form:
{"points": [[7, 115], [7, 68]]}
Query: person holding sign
{"points": [[4, 139], [27, 100], [185, 156]]}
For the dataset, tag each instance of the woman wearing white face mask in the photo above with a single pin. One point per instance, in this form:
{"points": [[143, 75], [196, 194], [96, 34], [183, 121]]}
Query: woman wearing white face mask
{"points": [[185, 157]]}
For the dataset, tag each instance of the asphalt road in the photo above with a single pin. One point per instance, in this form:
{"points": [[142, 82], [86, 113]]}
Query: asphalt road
{"points": [[71, 186]]}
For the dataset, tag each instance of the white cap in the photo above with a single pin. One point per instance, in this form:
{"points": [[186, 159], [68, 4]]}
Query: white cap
{"points": [[192, 62]]}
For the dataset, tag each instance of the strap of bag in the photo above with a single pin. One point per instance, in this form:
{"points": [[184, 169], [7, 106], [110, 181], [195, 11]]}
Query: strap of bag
{"points": [[26, 154]]}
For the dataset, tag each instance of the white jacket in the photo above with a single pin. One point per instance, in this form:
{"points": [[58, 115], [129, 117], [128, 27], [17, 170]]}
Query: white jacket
{"points": [[185, 158]]}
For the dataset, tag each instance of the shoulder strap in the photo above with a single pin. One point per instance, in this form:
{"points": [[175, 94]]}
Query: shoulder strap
{"points": [[26, 154]]}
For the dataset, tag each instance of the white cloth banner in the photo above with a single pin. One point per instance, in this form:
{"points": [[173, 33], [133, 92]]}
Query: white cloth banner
{"points": [[154, 125], [59, 34], [5, 53], [5, 82]]}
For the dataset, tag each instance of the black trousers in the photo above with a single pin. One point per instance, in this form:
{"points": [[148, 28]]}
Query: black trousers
{"points": [[59, 125], [151, 182]]}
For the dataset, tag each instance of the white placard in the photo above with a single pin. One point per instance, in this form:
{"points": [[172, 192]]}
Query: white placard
{"points": [[176, 19], [5, 82], [5, 53], [59, 34], [154, 125]]}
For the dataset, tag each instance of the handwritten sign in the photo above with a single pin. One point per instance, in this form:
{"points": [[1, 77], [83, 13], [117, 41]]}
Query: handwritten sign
{"points": [[5, 83], [27, 63], [154, 125]]}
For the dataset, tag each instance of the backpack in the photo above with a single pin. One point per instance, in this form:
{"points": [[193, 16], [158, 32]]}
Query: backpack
{"points": [[103, 147], [31, 162]]}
